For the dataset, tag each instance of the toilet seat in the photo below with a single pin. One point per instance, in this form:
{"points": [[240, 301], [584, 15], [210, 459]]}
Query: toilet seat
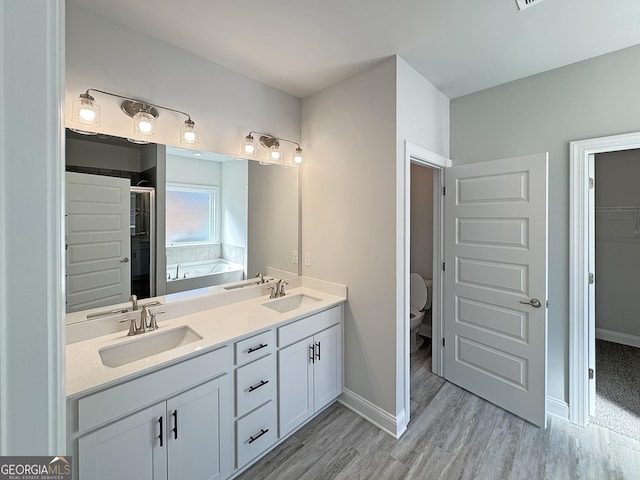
{"points": [[418, 293]]}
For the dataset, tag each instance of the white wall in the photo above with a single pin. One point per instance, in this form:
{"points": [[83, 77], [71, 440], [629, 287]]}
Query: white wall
{"points": [[617, 176], [32, 403], [225, 105], [422, 220], [594, 98]]}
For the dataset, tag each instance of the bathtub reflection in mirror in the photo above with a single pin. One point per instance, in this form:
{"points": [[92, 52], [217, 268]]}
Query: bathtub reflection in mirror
{"points": [[207, 220]]}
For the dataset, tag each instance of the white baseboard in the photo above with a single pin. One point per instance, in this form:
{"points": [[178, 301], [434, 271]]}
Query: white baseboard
{"points": [[623, 338], [558, 408], [393, 425]]}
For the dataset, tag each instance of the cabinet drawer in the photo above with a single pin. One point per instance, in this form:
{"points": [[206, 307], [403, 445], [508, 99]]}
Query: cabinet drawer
{"points": [[296, 331], [255, 433], [255, 384], [115, 402], [255, 347]]}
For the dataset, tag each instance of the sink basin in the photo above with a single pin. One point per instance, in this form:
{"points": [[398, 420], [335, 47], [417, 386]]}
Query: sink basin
{"points": [[146, 345], [290, 302]]}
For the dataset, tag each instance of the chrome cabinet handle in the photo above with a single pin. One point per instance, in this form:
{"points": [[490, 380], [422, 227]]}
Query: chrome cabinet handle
{"points": [[534, 302]]}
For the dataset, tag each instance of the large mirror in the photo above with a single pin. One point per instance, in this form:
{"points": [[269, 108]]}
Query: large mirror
{"points": [[155, 220]]}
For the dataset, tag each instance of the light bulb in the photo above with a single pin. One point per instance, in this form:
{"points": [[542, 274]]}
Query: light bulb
{"points": [[297, 158], [87, 115], [275, 151], [144, 126], [189, 133], [248, 146], [189, 136]]}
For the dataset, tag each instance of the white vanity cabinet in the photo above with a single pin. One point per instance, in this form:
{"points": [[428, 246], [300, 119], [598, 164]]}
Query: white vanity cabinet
{"points": [[309, 367], [256, 388], [186, 435]]}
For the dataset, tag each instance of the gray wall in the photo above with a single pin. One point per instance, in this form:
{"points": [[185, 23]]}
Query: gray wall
{"points": [[617, 269], [594, 98], [354, 133], [422, 220]]}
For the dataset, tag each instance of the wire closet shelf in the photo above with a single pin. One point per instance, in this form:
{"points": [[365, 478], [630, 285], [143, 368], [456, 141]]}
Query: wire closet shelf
{"points": [[620, 222]]}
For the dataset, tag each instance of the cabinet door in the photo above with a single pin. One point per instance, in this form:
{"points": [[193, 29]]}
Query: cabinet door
{"points": [[128, 449], [295, 379], [196, 423], [327, 373]]}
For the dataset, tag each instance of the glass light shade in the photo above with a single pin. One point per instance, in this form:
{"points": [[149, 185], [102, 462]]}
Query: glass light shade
{"points": [[85, 111], [297, 157], [189, 134], [275, 154], [144, 124], [249, 146]]}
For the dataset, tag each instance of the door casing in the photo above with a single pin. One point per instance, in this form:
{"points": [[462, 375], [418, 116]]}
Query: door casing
{"points": [[579, 245]]}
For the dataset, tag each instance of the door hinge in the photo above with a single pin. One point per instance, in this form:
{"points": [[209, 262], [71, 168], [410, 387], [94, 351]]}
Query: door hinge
{"points": [[443, 342], [546, 304], [591, 182], [443, 266], [592, 279], [444, 191], [591, 374]]}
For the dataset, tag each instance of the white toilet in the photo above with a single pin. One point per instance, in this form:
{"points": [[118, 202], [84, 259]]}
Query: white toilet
{"points": [[420, 301]]}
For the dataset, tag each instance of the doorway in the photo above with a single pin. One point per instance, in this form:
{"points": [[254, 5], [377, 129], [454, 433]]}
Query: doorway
{"points": [[421, 272], [614, 259], [416, 155], [583, 280]]}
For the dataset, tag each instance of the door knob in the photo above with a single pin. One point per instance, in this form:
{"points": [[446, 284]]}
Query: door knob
{"points": [[534, 302], [124, 260]]}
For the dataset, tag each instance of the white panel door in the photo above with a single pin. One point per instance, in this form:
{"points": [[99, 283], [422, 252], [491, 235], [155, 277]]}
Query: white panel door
{"points": [[496, 282], [98, 241]]}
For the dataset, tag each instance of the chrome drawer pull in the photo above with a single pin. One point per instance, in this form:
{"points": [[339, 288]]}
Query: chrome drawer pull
{"points": [[262, 432], [253, 349], [255, 387]]}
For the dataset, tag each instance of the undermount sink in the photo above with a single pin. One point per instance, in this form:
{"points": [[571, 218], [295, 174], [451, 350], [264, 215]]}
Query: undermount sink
{"points": [[290, 302], [146, 345]]}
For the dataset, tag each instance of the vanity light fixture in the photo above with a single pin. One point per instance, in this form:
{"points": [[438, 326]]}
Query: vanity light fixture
{"points": [[144, 115], [271, 143]]}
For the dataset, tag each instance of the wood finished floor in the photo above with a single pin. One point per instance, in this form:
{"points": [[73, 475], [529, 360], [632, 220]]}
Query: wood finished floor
{"points": [[452, 435]]}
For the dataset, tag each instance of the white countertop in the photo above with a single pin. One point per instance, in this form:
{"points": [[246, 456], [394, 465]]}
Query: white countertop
{"points": [[217, 326]]}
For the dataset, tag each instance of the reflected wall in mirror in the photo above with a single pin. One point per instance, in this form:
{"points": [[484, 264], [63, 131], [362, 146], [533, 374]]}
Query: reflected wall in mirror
{"points": [[152, 220]]}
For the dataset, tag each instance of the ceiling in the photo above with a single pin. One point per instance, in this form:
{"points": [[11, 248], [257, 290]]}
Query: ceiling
{"points": [[460, 46]]}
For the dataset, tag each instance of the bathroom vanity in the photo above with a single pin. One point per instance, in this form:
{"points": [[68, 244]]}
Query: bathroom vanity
{"points": [[210, 391]]}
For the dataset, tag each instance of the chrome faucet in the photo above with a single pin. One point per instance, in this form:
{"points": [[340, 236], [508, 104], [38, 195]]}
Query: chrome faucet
{"points": [[261, 276], [148, 322], [134, 302], [277, 290]]}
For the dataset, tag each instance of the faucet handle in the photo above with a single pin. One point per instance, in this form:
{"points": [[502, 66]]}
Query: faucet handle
{"points": [[282, 283], [132, 325], [153, 323], [273, 289]]}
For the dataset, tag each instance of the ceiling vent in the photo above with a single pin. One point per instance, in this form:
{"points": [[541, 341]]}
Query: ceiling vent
{"points": [[522, 4]]}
